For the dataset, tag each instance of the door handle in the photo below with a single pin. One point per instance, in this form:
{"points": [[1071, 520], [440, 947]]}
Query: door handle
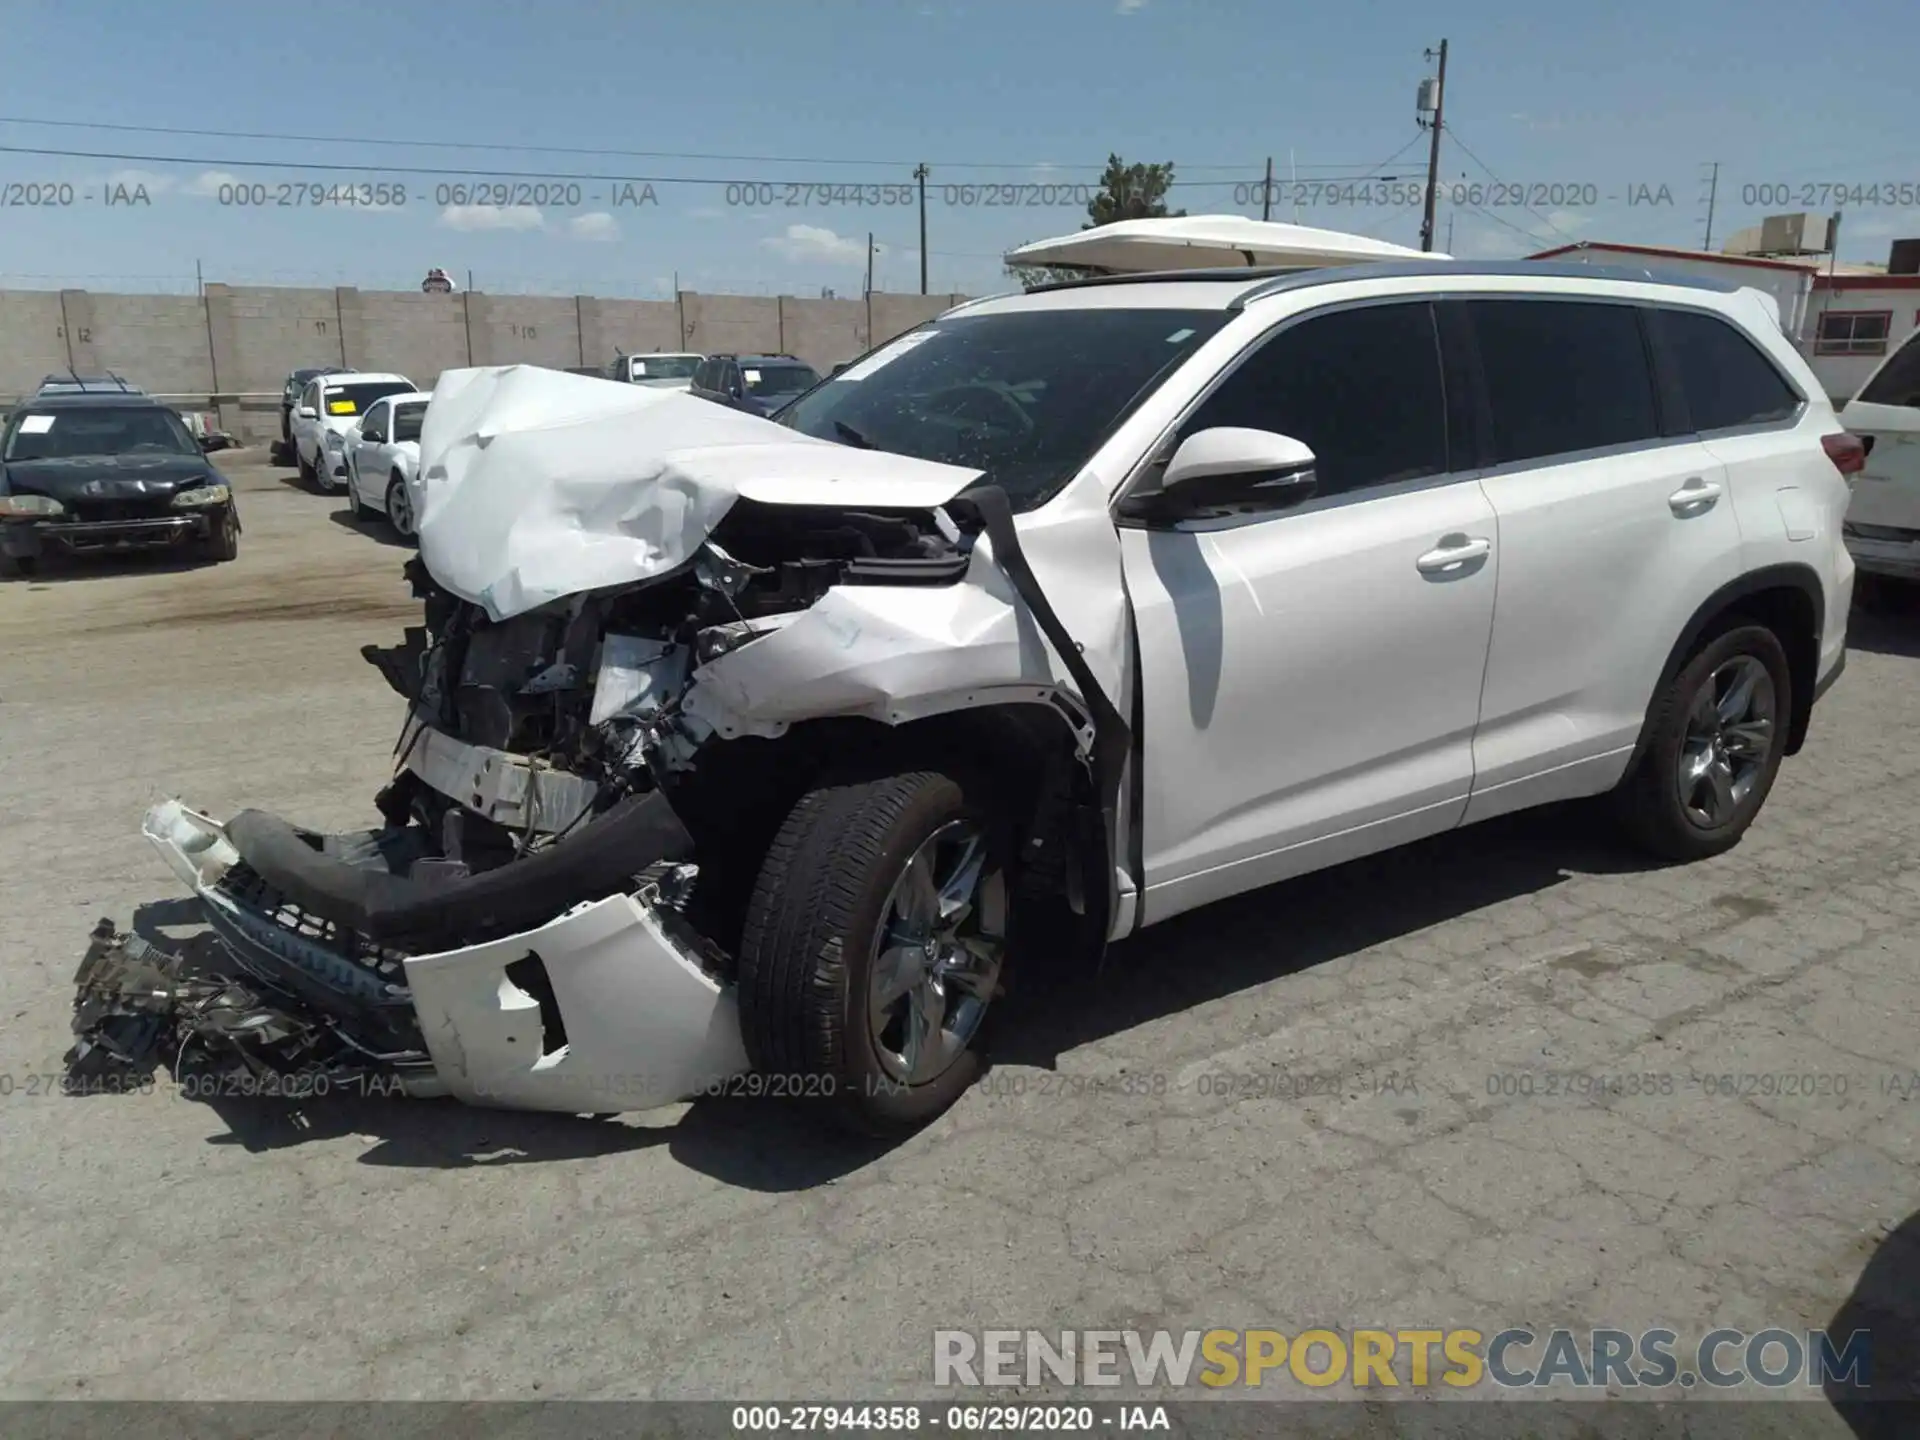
{"points": [[1453, 553], [1694, 496]]}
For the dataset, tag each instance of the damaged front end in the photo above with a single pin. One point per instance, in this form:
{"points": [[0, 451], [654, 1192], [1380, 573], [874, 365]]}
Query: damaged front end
{"points": [[586, 780]]}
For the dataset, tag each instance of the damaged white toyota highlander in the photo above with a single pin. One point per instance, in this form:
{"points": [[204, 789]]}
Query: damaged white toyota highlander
{"points": [[745, 747]]}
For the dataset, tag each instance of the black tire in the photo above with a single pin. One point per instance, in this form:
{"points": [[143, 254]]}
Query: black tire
{"points": [[357, 507], [224, 543], [1648, 800], [23, 567], [396, 484], [808, 942]]}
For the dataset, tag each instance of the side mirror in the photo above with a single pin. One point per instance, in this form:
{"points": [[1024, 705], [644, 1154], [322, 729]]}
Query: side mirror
{"points": [[306, 412], [1231, 464]]}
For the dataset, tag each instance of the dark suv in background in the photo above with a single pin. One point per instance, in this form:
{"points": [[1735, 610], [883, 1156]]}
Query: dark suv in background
{"points": [[758, 384]]}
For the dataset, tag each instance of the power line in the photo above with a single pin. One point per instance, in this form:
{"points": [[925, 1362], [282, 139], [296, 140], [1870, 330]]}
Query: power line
{"points": [[523, 149], [1498, 181], [1502, 220], [352, 168]]}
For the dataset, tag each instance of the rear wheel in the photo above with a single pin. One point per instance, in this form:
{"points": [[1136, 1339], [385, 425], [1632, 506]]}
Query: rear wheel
{"points": [[23, 566], [1717, 735], [872, 948]]}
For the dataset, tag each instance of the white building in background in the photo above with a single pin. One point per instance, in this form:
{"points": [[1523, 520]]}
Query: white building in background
{"points": [[1845, 318]]}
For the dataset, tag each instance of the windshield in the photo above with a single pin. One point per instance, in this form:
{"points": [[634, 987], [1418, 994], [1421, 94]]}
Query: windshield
{"points": [[765, 380], [1025, 396], [663, 367], [77, 433], [407, 420], [354, 399]]}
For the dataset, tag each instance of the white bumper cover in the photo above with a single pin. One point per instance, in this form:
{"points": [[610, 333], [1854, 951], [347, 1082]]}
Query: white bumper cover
{"points": [[644, 1026]]}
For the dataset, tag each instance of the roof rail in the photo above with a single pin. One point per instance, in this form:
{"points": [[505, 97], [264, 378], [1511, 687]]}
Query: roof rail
{"points": [[1526, 269]]}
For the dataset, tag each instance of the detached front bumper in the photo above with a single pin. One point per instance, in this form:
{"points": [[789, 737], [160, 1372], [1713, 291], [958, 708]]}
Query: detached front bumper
{"points": [[30, 539], [596, 1010]]}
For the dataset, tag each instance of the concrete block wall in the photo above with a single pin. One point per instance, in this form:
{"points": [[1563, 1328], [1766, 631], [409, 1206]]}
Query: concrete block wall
{"points": [[33, 338], [231, 348], [627, 327]]}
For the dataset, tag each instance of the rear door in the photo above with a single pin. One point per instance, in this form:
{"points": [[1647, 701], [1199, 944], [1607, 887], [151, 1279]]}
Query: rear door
{"points": [[1610, 532], [1883, 520]]}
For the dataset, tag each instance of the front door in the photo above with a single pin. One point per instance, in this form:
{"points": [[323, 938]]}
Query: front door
{"points": [[1311, 674], [364, 472]]}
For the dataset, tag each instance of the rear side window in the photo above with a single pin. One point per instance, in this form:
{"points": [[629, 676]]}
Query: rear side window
{"points": [[1562, 376], [1361, 388], [1727, 381], [1898, 382]]}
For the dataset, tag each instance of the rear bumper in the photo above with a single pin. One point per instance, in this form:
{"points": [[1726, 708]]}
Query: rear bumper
{"points": [[1899, 559], [33, 538], [595, 1010]]}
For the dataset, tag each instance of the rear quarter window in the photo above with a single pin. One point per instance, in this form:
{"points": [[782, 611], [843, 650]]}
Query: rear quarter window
{"points": [[1898, 380], [1727, 380]]}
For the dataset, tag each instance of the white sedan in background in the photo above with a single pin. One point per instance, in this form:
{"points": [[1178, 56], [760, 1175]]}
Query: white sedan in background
{"points": [[330, 407], [383, 460]]}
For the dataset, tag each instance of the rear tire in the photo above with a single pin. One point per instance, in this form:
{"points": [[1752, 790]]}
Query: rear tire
{"points": [[400, 507], [1715, 737], [845, 997], [21, 567]]}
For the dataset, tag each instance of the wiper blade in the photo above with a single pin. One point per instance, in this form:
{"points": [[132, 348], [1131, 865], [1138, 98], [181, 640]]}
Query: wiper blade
{"points": [[852, 436]]}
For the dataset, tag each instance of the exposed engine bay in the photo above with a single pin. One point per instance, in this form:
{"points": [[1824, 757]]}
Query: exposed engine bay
{"points": [[546, 912]]}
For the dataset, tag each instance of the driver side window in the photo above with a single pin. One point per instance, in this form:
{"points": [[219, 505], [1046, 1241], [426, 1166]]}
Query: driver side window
{"points": [[374, 427], [1361, 388]]}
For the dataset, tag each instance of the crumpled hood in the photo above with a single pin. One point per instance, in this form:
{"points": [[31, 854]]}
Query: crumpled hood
{"points": [[537, 484]]}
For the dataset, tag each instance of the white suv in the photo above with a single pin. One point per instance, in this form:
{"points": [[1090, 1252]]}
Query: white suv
{"points": [[755, 748], [1883, 523], [328, 410]]}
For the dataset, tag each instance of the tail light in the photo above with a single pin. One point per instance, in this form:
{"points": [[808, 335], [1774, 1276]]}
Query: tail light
{"points": [[1848, 454]]}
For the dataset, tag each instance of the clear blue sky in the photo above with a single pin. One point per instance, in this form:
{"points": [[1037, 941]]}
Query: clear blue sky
{"points": [[1604, 99]]}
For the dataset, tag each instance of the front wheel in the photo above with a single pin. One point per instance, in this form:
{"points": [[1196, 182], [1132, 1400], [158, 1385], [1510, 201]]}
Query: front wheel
{"points": [[224, 543], [1716, 737], [872, 948]]}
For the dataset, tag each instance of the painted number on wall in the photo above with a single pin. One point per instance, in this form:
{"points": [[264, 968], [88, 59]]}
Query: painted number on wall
{"points": [[526, 332], [83, 334], [319, 327]]}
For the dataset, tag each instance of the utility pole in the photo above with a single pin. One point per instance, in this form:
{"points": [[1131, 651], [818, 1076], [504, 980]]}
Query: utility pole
{"points": [[1433, 153], [1713, 190], [1450, 232], [869, 262], [1266, 193], [920, 174]]}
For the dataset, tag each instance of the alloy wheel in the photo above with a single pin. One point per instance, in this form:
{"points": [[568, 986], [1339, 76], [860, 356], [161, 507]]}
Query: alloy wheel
{"points": [[937, 957], [1730, 734]]}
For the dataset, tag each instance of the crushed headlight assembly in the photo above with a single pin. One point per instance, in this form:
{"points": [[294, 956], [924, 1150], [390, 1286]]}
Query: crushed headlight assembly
{"points": [[29, 507], [335, 441], [202, 497]]}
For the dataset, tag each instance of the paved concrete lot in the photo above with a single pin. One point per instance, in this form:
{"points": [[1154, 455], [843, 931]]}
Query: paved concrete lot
{"points": [[1414, 1044]]}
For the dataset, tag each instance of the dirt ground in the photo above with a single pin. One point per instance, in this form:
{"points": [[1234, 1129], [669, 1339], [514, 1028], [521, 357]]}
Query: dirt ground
{"points": [[170, 1248]]}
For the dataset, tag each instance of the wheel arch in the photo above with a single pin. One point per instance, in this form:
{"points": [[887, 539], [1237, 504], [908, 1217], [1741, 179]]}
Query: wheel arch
{"points": [[1026, 753], [1789, 601]]}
